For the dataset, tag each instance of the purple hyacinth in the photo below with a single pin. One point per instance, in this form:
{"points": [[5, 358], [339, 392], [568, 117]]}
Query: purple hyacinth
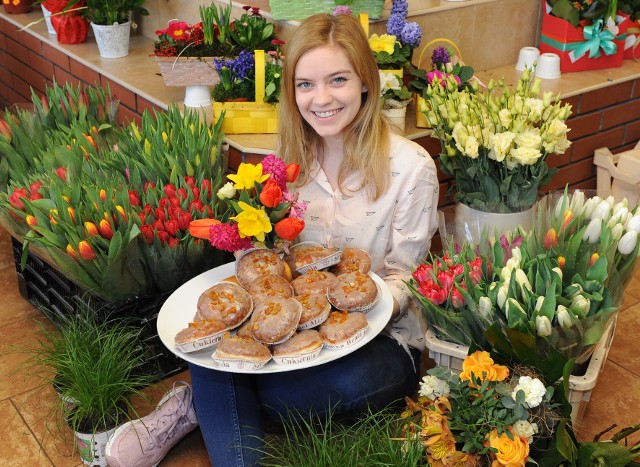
{"points": [[395, 23], [243, 65], [400, 7], [440, 56], [411, 35], [342, 10]]}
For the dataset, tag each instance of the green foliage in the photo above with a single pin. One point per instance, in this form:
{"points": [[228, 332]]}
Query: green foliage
{"points": [[574, 11], [630, 7], [108, 12], [400, 58]]}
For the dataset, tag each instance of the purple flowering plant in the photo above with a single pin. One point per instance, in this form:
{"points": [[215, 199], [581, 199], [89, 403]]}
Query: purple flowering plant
{"points": [[444, 64]]}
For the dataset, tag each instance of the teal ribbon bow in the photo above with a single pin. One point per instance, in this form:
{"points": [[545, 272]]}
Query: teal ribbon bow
{"points": [[595, 39]]}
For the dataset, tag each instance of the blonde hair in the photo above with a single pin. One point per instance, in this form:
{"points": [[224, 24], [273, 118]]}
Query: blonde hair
{"points": [[366, 138]]}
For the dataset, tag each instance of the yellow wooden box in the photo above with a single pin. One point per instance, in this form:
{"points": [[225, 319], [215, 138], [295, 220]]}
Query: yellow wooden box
{"points": [[249, 117]]}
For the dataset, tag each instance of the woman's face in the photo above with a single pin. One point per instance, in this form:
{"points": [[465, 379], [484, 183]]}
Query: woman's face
{"points": [[328, 90]]}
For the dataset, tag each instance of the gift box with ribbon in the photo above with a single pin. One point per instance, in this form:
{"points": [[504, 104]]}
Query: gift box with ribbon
{"points": [[593, 47], [632, 41]]}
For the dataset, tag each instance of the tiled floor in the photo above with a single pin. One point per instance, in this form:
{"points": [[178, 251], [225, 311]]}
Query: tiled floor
{"points": [[30, 439]]}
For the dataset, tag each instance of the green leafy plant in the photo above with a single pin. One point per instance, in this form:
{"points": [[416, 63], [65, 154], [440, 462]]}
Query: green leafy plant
{"points": [[108, 12], [575, 11], [393, 93], [630, 7]]}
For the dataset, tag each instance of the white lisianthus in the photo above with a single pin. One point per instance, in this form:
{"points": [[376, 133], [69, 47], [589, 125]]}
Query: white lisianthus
{"points": [[533, 390], [543, 326], [526, 155], [460, 135], [565, 318], [533, 107], [561, 146], [592, 232], [471, 147], [628, 242], [529, 139], [557, 129], [500, 144], [227, 191], [484, 306], [432, 387], [525, 429], [580, 305], [505, 117]]}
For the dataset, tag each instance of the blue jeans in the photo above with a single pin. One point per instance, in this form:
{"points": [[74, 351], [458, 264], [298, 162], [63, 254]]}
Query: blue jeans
{"points": [[231, 407]]}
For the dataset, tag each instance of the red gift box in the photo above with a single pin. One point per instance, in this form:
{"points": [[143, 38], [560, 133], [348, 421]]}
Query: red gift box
{"points": [[632, 42], [577, 47]]}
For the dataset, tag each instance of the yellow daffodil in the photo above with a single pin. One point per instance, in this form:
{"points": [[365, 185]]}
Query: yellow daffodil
{"points": [[382, 43], [248, 175], [252, 222]]}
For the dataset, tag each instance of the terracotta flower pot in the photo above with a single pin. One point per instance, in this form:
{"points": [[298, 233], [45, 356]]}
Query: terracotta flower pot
{"points": [[17, 6]]}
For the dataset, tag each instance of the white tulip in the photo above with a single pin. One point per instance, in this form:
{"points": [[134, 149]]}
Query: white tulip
{"points": [[516, 254], [616, 232], [523, 281], [580, 305], [577, 202], [633, 223], [558, 271], [602, 210], [502, 295], [619, 215], [590, 205], [543, 326], [562, 201], [539, 303], [622, 204], [513, 306], [565, 318], [628, 242], [592, 232], [609, 199], [484, 306], [579, 290]]}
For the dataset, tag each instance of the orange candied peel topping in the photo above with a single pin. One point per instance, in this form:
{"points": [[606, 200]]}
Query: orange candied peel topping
{"points": [[273, 308], [338, 317], [314, 275], [357, 284]]}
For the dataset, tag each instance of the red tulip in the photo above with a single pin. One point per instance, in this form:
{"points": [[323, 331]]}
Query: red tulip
{"points": [[85, 251], [105, 229], [143, 217], [191, 182], [163, 236], [35, 187], [160, 214], [133, 198], [551, 239], [147, 233], [206, 187], [170, 190], [15, 198], [35, 195], [271, 194], [199, 228], [158, 225], [173, 242], [171, 227], [91, 229], [62, 173], [196, 192], [457, 300], [182, 193], [289, 228], [433, 292], [184, 220], [423, 273], [148, 185], [293, 170]]}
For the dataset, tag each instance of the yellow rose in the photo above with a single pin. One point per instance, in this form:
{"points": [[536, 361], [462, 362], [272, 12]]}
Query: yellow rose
{"points": [[481, 364], [511, 452], [382, 43]]}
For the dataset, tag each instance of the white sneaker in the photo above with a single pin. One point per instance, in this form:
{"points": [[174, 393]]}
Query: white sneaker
{"points": [[145, 442]]}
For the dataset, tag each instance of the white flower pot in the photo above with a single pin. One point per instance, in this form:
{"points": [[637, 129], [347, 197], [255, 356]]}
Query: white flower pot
{"points": [[113, 40], [397, 119], [92, 447], [197, 96], [47, 20], [471, 224]]}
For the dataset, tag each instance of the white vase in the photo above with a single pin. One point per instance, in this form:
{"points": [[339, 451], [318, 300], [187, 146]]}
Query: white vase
{"points": [[112, 40], [472, 225], [92, 447], [47, 20], [396, 118]]}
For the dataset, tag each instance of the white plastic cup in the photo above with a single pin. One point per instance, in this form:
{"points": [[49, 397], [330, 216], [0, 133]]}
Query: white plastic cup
{"points": [[527, 57], [548, 66]]}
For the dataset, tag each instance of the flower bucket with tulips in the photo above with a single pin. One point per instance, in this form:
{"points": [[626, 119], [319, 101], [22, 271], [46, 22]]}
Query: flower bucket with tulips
{"points": [[261, 212], [110, 206]]}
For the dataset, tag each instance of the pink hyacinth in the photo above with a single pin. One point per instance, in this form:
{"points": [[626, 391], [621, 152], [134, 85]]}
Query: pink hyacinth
{"points": [[297, 209], [226, 237], [277, 168]]}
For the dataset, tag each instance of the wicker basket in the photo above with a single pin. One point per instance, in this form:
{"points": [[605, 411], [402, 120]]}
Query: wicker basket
{"points": [[188, 71], [249, 117], [302, 9]]}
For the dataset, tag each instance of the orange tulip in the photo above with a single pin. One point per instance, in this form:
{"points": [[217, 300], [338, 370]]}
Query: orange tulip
{"points": [[289, 228], [271, 194], [5, 130], [72, 213], [561, 261], [91, 229], [551, 239], [594, 258], [71, 251], [120, 209], [105, 229], [568, 217], [85, 250], [199, 228], [293, 170], [103, 195], [31, 221], [53, 214]]}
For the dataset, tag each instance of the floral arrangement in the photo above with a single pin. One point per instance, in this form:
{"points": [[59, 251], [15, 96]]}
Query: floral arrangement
{"points": [[491, 414], [393, 93], [394, 49], [495, 143], [443, 65], [261, 212], [237, 76], [109, 206], [216, 35], [583, 12]]}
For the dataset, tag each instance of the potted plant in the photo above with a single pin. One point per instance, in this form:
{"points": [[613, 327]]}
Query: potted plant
{"points": [[96, 367], [395, 98], [111, 23]]}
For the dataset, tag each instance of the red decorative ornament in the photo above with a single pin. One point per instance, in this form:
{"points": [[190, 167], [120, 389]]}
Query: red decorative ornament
{"points": [[70, 29]]}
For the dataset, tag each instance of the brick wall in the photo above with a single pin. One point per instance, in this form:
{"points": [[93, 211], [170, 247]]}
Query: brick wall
{"points": [[27, 62]]}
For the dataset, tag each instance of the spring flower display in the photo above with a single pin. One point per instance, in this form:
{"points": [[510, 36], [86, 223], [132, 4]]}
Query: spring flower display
{"points": [[393, 93], [444, 64], [495, 143], [261, 212], [393, 50], [110, 205], [583, 12]]}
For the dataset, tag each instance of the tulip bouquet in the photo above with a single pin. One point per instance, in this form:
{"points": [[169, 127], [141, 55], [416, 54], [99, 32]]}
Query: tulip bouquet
{"points": [[495, 143], [261, 212], [450, 290]]}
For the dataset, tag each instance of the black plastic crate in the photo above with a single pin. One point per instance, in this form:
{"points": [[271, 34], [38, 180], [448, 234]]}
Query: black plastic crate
{"points": [[58, 297]]}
